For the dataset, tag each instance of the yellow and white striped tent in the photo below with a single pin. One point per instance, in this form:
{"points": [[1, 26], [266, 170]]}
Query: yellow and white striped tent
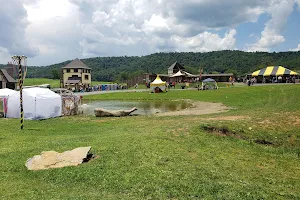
{"points": [[158, 83], [274, 71]]}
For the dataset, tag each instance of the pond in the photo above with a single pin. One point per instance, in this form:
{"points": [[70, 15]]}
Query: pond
{"points": [[143, 107]]}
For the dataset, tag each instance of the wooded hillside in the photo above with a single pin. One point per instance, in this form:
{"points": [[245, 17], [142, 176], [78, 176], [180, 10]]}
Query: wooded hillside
{"points": [[122, 68]]}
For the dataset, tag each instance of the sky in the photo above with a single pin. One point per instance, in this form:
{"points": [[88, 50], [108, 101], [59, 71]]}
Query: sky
{"points": [[53, 31]]}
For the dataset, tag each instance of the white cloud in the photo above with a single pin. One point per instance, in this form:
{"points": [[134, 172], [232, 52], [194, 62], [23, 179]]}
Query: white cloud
{"points": [[156, 24], [296, 49], [298, 3], [205, 42], [271, 36], [13, 23], [47, 9], [65, 29], [56, 35]]}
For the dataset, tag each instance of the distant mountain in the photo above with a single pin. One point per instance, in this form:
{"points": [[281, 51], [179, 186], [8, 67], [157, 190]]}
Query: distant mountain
{"points": [[122, 68]]}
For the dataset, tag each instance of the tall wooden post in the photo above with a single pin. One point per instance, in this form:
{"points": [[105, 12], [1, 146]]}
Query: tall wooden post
{"points": [[21, 91], [18, 60]]}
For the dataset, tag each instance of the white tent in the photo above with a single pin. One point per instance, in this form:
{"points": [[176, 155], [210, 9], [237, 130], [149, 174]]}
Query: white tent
{"points": [[209, 84], [7, 92], [4, 96], [158, 84], [38, 103], [179, 73]]}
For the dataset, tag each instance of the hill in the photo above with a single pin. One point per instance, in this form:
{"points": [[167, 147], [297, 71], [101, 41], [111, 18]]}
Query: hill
{"points": [[122, 68]]}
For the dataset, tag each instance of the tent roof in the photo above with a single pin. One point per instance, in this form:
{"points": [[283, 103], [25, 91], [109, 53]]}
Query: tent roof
{"points": [[7, 92], [208, 80], [76, 64], [179, 73], [40, 92], [274, 71], [157, 81], [190, 75]]}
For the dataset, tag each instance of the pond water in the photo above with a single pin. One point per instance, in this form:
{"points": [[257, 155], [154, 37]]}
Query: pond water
{"points": [[143, 107]]}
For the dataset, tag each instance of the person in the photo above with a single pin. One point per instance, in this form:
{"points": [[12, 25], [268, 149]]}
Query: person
{"points": [[294, 79], [248, 82], [280, 79], [136, 85]]}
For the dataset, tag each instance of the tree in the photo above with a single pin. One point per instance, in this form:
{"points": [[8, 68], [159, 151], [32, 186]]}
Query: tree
{"points": [[55, 74]]}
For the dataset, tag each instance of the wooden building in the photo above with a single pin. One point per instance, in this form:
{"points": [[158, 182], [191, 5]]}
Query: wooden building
{"points": [[174, 68], [7, 78], [76, 75]]}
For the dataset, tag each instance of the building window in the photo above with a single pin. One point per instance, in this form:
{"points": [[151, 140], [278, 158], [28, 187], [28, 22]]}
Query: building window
{"points": [[75, 70], [68, 70], [86, 77]]}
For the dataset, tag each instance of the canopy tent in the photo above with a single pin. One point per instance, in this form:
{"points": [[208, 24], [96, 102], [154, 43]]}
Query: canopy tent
{"points": [[274, 71], [208, 80], [7, 92], [208, 84], [38, 103], [4, 96], [158, 85], [179, 73]]}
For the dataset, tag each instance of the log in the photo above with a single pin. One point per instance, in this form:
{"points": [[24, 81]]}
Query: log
{"points": [[100, 112]]}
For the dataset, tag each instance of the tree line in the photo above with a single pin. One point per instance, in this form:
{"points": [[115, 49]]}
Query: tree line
{"points": [[125, 67]]}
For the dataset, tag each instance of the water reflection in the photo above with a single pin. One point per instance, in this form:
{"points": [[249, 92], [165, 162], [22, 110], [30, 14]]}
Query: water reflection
{"points": [[143, 107]]}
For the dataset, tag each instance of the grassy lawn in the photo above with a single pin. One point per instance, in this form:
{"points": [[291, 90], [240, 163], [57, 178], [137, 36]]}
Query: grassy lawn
{"points": [[151, 157], [54, 83]]}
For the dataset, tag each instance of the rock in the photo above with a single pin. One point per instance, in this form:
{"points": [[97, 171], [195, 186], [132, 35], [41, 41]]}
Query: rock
{"points": [[99, 112], [53, 159]]}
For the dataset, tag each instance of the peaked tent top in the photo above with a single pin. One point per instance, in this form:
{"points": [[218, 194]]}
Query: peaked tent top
{"points": [[76, 64], [179, 73], [158, 81], [274, 71]]}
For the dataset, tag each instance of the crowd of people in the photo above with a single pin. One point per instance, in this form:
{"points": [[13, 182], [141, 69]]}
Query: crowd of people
{"points": [[274, 79], [103, 87]]}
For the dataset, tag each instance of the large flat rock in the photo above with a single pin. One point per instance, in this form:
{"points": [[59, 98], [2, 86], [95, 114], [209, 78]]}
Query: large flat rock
{"points": [[53, 159]]}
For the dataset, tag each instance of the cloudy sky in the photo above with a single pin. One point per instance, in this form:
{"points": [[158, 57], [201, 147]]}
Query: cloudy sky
{"points": [[52, 31]]}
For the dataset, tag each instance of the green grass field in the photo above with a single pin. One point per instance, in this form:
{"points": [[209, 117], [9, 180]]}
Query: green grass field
{"points": [[54, 83], [151, 157]]}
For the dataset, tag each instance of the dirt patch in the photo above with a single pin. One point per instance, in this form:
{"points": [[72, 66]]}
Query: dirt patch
{"points": [[265, 142], [296, 121], [224, 131], [221, 131], [198, 108]]}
